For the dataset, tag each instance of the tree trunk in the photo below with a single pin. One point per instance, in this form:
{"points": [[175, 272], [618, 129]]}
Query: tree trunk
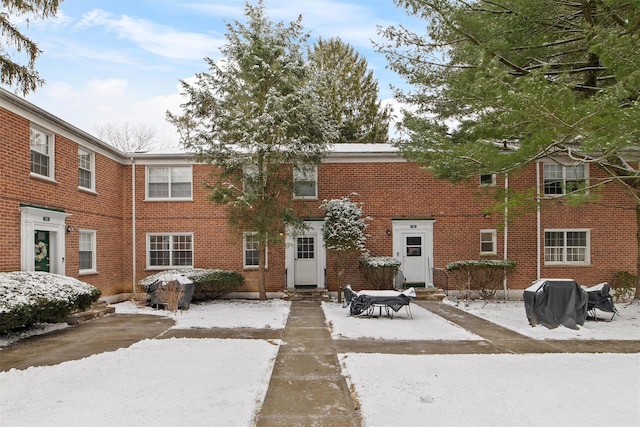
{"points": [[262, 258]]}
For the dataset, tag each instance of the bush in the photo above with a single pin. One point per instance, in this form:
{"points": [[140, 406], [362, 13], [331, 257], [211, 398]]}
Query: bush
{"points": [[208, 283], [28, 298], [483, 276], [380, 272], [623, 287]]}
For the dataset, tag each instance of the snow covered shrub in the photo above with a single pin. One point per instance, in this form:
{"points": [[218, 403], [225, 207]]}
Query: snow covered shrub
{"points": [[343, 232], [484, 276], [380, 272], [30, 297], [208, 283]]}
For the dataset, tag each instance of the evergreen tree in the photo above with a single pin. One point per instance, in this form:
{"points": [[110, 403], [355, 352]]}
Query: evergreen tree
{"points": [[522, 80], [256, 116], [25, 77], [351, 90]]}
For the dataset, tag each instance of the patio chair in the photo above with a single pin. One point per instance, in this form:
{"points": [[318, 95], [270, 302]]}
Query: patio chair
{"points": [[599, 298]]}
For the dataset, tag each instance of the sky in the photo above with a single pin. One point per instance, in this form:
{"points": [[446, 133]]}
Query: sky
{"points": [[117, 61]]}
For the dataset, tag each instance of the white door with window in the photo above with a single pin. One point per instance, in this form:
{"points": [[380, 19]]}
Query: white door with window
{"points": [[413, 247], [305, 258], [306, 261]]}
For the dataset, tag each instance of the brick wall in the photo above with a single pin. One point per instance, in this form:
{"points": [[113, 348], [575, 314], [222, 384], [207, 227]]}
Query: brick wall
{"points": [[388, 190]]}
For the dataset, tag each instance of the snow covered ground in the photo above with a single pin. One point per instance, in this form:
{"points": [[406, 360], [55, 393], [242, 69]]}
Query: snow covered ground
{"points": [[217, 382]]}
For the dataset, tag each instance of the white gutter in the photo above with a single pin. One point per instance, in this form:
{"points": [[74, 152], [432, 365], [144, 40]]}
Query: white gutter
{"points": [[538, 221], [133, 224], [506, 229]]}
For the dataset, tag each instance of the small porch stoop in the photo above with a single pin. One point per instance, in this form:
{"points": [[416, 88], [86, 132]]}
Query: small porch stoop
{"points": [[98, 309], [309, 294], [430, 294]]}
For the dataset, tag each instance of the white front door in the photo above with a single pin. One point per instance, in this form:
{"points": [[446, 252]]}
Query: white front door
{"points": [[306, 260], [414, 259], [305, 257], [413, 247], [42, 239]]}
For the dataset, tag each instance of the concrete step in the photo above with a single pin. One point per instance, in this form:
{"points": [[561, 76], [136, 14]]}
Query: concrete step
{"points": [[430, 294], [99, 309], [306, 295]]}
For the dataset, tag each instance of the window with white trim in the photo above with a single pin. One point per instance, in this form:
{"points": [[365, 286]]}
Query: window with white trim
{"points": [[250, 179], [169, 250], [86, 168], [87, 253], [169, 182], [561, 179], [567, 247], [488, 242], [305, 182], [488, 180], [42, 152], [251, 245]]}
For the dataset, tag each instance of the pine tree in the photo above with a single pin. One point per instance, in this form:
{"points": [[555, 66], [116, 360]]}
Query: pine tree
{"points": [[25, 77], [351, 90], [522, 80], [255, 116]]}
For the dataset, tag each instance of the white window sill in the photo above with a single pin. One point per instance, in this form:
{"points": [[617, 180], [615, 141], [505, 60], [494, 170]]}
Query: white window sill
{"points": [[87, 190], [168, 199], [43, 178], [87, 272]]}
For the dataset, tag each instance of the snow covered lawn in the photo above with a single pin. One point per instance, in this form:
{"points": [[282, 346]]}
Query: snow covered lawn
{"points": [[511, 315], [222, 382], [424, 325], [496, 390]]}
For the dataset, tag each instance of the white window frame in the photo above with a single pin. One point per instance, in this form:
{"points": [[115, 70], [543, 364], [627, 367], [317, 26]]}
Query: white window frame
{"points": [[50, 154], [565, 247], [91, 169], [305, 174], [494, 241], [168, 182], [564, 179], [249, 171], [487, 184], [245, 249], [171, 251], [93, 247]]}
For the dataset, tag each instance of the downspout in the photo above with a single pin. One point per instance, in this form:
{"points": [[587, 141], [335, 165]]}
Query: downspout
{"points": [[506, 230], [538, 221], [133, 224]]}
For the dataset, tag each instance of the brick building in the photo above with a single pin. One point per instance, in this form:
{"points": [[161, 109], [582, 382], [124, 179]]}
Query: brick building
{"points": [[71, 204]]}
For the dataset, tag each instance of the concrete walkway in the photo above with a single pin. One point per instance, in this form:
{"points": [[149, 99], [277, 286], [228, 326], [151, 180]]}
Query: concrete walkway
{"points": [[307, 387]]}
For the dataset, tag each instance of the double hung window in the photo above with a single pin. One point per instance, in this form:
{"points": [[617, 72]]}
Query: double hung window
{"points": [[87, 255], [305, 179], [251, 246], [488, 242], [561, 179], [86, 167], [42, 151], [169, 182]]}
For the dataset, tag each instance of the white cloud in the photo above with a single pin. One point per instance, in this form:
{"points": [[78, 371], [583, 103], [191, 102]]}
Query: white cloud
{"points": [[155, 38]]}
